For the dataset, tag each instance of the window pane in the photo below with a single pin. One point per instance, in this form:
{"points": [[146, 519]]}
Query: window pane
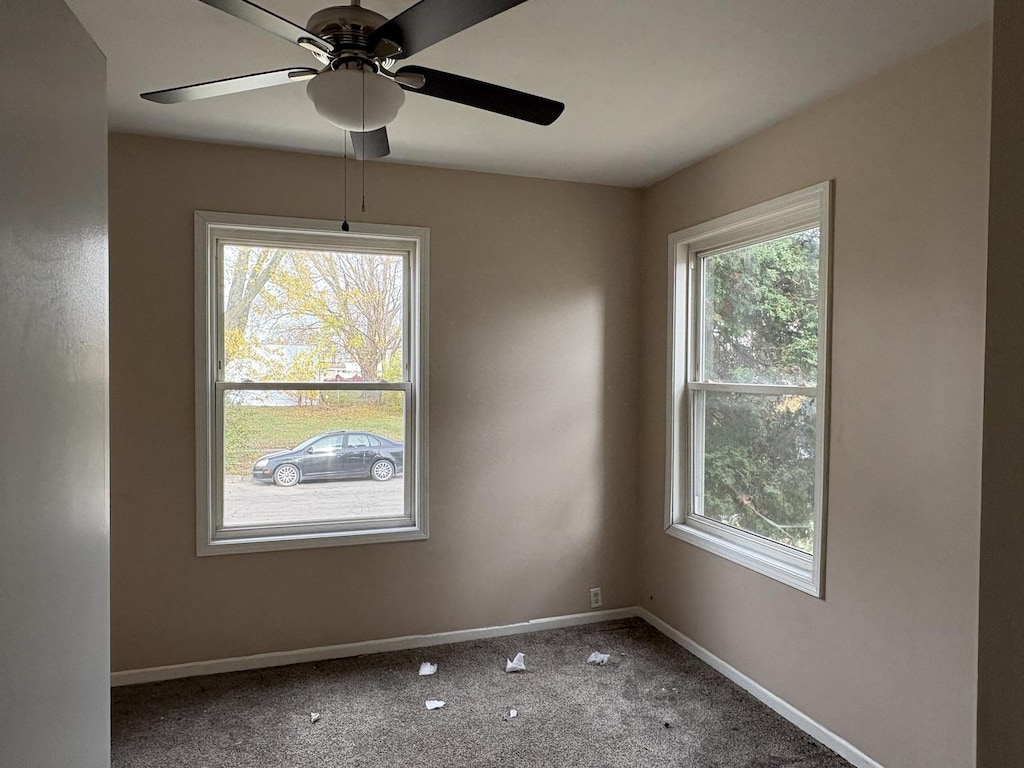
{"points": [[294, 315], [285, 464], [758, 472], [760, 312]]}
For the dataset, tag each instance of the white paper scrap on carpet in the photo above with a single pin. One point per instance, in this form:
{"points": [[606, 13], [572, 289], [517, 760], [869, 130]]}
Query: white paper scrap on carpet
{"points": [[513, 713], [518, 664], [426, 668], [314, 716], [434, 704], [598, 658]]}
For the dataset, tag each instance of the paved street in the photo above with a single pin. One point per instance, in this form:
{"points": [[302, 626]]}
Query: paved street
{"points": [[249, 502]]}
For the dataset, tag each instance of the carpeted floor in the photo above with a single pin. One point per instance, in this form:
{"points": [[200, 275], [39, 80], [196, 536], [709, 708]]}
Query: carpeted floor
{"points": [[653, 704]]}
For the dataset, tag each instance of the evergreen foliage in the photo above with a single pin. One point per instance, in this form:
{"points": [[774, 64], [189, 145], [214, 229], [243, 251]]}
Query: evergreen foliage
{"points": [[760, 326]]}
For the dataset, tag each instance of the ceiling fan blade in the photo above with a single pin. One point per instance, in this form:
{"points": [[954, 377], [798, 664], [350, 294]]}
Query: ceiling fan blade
{"points": [[476, 93], [431, 21], [271, 22], [372, 144], [229, 85]]}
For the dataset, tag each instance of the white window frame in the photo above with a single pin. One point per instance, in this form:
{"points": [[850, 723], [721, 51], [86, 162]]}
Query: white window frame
{"points": [[212, 230], [784, 215]]}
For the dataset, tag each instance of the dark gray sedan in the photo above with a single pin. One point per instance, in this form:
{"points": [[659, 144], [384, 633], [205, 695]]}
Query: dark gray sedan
{"points": [[333, 456]]}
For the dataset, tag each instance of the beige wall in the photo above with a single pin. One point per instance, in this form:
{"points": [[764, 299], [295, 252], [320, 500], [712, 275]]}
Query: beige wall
{"points": [[1001, 626], [533, 371], [887, 660]]}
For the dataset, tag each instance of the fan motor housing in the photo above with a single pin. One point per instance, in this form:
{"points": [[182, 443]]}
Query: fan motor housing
{"points": [[347, 26]]}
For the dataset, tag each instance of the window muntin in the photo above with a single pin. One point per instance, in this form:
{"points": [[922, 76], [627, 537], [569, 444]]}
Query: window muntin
{"points": [[309, 334], [747, 387]]}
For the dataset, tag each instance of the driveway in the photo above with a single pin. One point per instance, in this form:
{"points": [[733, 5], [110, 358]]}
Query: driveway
{"points": [[247, 502]]}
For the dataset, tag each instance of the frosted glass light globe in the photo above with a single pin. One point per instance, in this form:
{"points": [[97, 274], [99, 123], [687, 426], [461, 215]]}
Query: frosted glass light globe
{"points": [[339, 96]]}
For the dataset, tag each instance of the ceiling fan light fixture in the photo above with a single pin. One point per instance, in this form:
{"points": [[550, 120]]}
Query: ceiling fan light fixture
{"points": [[339, 96]]}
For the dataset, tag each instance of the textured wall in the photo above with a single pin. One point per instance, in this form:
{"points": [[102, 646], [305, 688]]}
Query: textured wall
{"points": [[887, 660], [54, 633], [533, 371]]}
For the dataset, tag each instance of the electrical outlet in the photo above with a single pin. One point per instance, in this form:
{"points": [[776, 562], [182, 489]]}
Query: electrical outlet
{"points": [[595, 597]]}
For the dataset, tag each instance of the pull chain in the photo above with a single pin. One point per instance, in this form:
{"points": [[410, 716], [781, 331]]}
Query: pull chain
{"points": [[344, 180], [362, 165]]}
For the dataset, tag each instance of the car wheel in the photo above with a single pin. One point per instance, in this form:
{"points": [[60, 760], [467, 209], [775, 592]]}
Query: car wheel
{"points": [[382, 469], [286, 475]]}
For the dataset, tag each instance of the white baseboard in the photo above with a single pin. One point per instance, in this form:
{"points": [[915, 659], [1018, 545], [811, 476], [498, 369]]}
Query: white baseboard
{"points": [[323, 653], [811, 727]]}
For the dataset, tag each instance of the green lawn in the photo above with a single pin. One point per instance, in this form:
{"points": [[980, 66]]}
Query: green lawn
{"points": [[253, 430]]}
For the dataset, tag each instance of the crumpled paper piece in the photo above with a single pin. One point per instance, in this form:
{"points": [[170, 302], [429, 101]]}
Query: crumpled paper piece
{"points": [[426, 668], [434, 704], [598, 658], [314, 716], [518, 664]]}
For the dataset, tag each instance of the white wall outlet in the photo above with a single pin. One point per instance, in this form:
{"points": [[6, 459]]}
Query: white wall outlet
{"points": [[595, 597]]}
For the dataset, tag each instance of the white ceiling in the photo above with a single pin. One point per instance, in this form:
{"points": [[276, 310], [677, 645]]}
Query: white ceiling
{"points": [[650, 86]]}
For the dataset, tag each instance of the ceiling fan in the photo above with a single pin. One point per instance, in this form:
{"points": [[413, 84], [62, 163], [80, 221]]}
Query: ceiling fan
{"points": [[358, 88]]}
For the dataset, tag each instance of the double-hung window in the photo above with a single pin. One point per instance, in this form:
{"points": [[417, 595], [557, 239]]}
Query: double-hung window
{"points": [[747, 387], [310, 383]]}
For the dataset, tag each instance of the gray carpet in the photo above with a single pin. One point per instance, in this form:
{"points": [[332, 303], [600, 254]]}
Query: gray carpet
{"points": [[653, 704]]}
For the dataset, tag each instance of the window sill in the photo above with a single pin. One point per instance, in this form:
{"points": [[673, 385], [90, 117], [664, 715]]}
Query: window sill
{"points": [[746, 550], [225, 544]]}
